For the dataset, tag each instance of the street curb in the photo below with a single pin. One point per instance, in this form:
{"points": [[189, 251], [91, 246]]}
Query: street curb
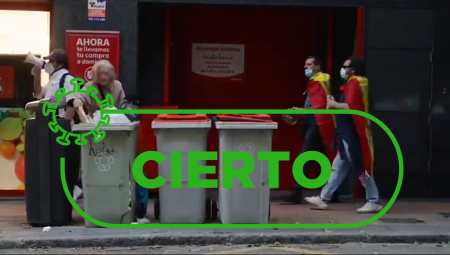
{"points": [[161, 239]]}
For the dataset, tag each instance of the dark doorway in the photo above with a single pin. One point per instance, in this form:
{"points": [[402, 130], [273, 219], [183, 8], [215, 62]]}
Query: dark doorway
{"points": [[439, 174], [398, 47]]}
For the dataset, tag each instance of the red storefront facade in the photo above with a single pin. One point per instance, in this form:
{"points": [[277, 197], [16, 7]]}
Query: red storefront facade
{"points": [[156, 64]]}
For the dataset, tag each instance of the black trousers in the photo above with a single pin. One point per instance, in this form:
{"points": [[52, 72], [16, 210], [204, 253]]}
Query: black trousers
{"points": [[79, 183], [74, 163], [77, 163], [312, 141]]}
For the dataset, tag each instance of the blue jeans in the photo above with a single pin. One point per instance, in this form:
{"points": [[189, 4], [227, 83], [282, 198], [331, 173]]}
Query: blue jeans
{"points": [[340, 168]]}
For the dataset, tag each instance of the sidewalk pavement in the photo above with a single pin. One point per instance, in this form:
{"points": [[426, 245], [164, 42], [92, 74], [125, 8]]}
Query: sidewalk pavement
{"points": [[406, 222]]}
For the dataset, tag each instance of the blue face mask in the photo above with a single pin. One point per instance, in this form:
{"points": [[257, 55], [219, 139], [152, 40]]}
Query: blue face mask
{"points": [[309, 72]]}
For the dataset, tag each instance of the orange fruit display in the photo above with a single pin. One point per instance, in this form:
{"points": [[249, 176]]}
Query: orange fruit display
{"points": [[20, 168], [8, 149]]}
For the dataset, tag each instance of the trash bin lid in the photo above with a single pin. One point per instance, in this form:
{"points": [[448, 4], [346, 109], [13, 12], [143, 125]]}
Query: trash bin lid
{"points": [[245, 121], [245, 117], [181, 121], [182, 118], [86, 127]]}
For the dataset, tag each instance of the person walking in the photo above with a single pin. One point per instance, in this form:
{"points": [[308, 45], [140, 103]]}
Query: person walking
{"points": [[354, 138], [318, 129]]}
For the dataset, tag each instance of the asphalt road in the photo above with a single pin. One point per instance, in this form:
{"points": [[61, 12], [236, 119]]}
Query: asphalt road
{"points": [[348, 248]]}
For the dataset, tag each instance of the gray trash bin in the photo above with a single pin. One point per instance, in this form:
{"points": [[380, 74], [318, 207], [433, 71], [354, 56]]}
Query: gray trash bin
{"points": [[252, 134], [108, 182], [183, 133]]}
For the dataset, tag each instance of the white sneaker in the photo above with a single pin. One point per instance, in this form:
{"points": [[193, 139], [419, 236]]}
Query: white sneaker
{"points": [[77, 191], [370, 207], [317, 201], [143, 221]]}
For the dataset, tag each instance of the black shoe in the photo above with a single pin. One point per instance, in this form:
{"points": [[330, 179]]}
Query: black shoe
{"points": [[335, 199], [294, 199]]}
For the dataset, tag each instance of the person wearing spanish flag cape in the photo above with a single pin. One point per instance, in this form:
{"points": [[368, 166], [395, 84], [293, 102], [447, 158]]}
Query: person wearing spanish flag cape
{"points": [[354, 140], [318, 129]]}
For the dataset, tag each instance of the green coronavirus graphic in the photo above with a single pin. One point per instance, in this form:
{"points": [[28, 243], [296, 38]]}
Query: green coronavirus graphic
{"points": [[81, 138]]}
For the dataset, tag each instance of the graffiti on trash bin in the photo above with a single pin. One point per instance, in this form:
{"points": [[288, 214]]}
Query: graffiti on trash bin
{"points": [[103, 155], [248, 147], [104, 162], [100, 150]]}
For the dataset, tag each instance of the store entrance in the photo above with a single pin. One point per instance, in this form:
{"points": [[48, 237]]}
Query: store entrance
{"points": [[274, 43], [262, 65]]}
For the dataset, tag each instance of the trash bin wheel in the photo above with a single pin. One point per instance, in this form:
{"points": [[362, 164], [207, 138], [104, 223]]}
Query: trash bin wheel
{"points": [[156, 208], [214, 210], [208, 209]]}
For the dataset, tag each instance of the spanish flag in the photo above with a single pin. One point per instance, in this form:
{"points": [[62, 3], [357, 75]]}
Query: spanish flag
{"points": [[356, 92], [318, 90]]}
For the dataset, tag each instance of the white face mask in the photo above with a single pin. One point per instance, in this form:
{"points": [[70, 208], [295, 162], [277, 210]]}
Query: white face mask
{"points": [[48, 67], [344, 74]]}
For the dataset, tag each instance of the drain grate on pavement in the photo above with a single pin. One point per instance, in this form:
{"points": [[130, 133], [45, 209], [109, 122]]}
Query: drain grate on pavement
{"points": [[401, 220], [445, 215]]}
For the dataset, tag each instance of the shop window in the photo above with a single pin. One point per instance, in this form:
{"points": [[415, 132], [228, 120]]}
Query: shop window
{"points": [[24, 31], [20, 32]]}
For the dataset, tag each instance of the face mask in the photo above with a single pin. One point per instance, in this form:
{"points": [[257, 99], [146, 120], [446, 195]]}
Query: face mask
{"points": [[344, 74], [49, 68], [309, 72]]}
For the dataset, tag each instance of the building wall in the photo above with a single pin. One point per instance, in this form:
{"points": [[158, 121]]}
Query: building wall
{"points": [[400, 101], [121, 15], [440, 106], [407, 53]]}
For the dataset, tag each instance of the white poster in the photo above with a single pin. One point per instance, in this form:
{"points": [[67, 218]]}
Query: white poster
{"points": [[96, 10], [218, 60]]}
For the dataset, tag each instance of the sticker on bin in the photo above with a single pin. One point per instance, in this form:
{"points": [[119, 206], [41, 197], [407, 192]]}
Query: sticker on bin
{"points": [[104, 162], [164, 121], [248, 147]]}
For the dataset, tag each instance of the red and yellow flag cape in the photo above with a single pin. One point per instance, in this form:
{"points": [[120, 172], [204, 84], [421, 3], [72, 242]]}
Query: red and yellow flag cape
{"points": [[318, 90], [356, 92]]}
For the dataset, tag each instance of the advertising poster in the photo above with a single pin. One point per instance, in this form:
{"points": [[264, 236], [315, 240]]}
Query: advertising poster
{"points": [[84, 48], [12, 147], [218, 60], [96, 10]]}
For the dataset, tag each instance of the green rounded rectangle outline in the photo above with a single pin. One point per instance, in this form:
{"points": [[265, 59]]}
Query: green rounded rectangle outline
{"points": [[250, 226]]}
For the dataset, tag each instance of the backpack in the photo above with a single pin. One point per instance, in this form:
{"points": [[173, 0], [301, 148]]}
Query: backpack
{"points": [[128, 104], [63, 79]]}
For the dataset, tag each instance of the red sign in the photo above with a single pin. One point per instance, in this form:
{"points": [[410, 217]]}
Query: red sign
{"points": [[7, 82], [84, 48]]}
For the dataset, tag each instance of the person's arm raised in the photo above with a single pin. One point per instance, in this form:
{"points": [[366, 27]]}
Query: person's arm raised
{"points": [[39, 91]]}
